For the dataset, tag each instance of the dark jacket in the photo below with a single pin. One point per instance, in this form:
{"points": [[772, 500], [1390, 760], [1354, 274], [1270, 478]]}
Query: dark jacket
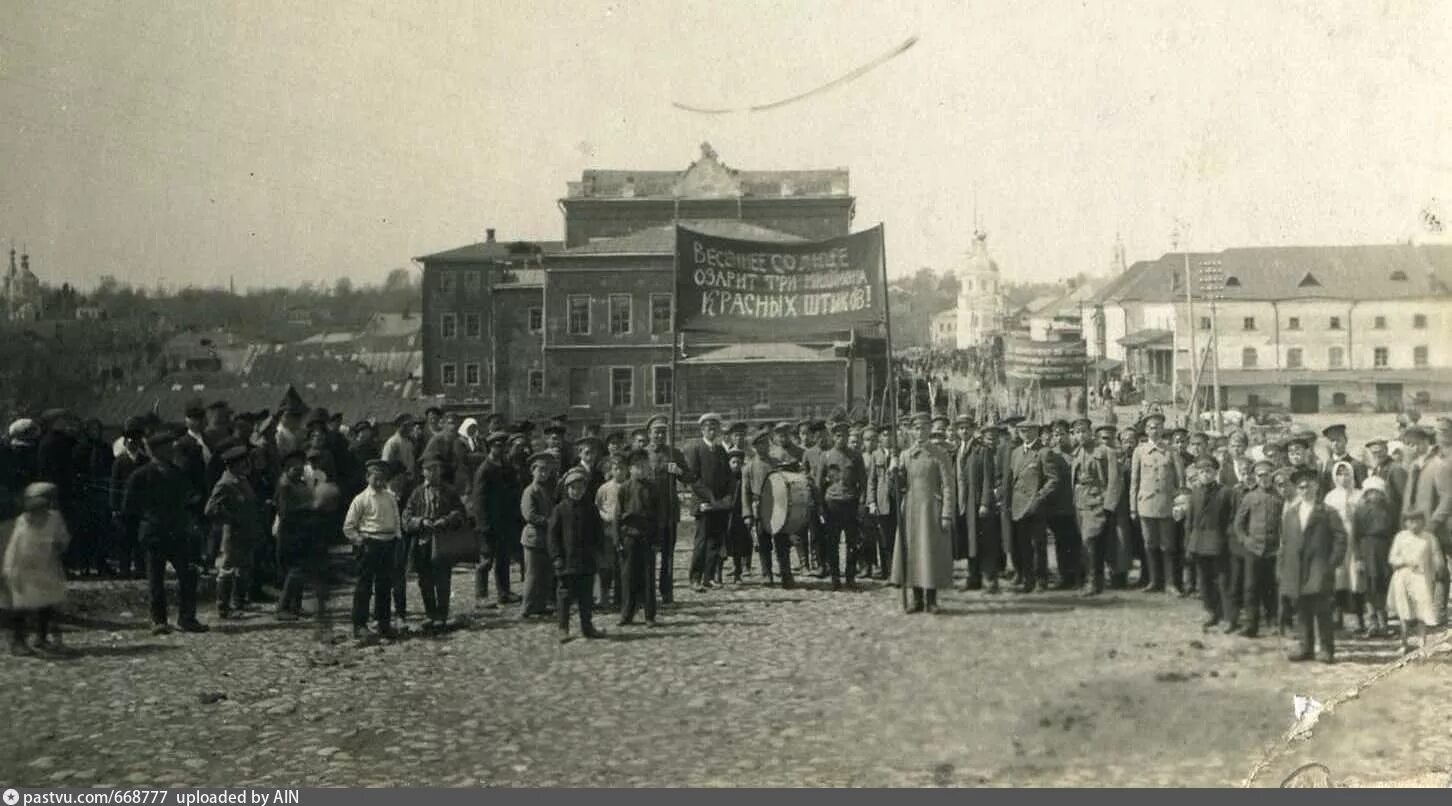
{"points": [[1258, 522], [1031, 481], [1309, 557], [162, 500], [639, 512], [574, 536], [121, 471], [444, 512], [711, 474], [495, 496], [234, 506], [1209, 520]]}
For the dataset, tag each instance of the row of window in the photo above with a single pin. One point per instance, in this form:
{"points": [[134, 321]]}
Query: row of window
{"points": [[1419, 321], [449, 374], [578, 319], [622, 314], [622, 383], [1335, 357], [471, 282]]}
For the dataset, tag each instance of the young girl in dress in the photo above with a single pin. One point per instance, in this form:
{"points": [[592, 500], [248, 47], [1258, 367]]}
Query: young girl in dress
{"points": [[31, 568], [1415, 560]]}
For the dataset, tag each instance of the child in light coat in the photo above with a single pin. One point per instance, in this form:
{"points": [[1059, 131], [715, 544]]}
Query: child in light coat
{"points": [[31, 574]]}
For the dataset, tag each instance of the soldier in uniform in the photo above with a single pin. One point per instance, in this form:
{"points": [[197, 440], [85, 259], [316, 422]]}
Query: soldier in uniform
{"points": [[235, 507], [923, 556], [1063, 519], [1153, 482], [882, 498], [1129, 541], [978, 483], [1257, 531], [840, 479], [1208, 524], [1096, 485], [1031, 483], [160, 499], [496, 495]]}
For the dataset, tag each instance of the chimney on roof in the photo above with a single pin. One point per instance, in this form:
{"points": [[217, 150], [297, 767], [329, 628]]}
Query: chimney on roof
{"points": [[489, 235]]}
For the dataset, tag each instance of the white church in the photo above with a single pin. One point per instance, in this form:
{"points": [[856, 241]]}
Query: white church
{"points": [[981, 304]]}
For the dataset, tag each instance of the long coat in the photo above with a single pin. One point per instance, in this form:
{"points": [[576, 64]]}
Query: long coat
{"points": [[1429, 489], [1309, 557], [1210, 521], [574, 536], [928, 472], [31, 574], [1154, 478], [1096, 483], [1031, 481], [976, 478]]}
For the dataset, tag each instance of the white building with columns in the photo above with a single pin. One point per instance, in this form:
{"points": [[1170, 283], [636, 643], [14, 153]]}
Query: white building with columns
{"points": [[980, 297]]}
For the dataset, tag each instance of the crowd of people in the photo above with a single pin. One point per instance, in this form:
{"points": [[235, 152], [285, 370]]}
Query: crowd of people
{"points": [[1255, 521]]}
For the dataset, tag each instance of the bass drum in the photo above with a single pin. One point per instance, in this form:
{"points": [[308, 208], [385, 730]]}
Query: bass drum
{"points": [[786, 503]]}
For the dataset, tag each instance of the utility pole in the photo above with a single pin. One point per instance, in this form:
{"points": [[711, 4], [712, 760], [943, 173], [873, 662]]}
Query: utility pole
{"points": [[1212, 282], [1189, 312]]}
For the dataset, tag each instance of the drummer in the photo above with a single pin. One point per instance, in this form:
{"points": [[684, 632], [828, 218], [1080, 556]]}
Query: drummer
{"points": [[783, 455], [753, 478]]}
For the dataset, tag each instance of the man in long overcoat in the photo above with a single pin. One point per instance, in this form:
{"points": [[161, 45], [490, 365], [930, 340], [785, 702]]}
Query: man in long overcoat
{"points": [[1313, 545], [927, 512]]}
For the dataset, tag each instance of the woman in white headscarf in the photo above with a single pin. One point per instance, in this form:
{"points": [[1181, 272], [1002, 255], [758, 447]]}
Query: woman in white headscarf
{"points": [[34, 580], [1351, 574]]}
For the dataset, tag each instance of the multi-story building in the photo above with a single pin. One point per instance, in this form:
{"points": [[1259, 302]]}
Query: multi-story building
{"points": [[1306, 328], [945, 330], [585, 325]]}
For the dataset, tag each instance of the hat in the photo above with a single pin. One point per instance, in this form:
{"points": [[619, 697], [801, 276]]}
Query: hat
{"points": [[615, 436], [161, 438], [940, 418], [374, 464], [1153, 416], [555, 428], [362, 425], [402, 420], [573, 475], [40, 489], [1108, 427], [135, 428], [1304, 474], [431, 461], [1010, 422], [1274, 444], [709, 417], [335, 417], [318, 416], [658, 421], [1415, 515], [433, 411], [1059, 424], [1263, 463], [1444, 423], [1206, 463], [543, 457], [963, 419], [1374, 483], [1028, 424], [594, 442], [195, 408], [218, 405], [735, 452], [637, 432], [871, 428], [317, 453], [784, 426], [494, 437], [840, 427], [1199, 436], [738, 427], [518, 439], [1375, 441], [234, 454], [1337, 431], [762, 433], [1416, 432]]}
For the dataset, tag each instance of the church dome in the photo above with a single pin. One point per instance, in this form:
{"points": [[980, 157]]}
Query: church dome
{"points": [[979, 262]]}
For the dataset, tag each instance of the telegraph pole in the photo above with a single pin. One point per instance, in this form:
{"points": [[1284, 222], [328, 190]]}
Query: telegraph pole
{"points": [[1212, 281], [1192, 324]]}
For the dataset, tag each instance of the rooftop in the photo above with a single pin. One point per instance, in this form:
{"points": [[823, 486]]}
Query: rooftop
{"points": [[782, 352], [708, 177], [662, 240], [496, 251]]}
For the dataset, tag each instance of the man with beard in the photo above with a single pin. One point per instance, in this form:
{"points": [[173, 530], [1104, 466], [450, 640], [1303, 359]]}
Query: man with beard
{"points": [[1031, 483], [496, 492], [1096, 483], [1153, 483], [978, 482]]}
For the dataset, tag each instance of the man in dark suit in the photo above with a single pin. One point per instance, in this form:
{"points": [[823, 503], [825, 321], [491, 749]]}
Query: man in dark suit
{"points": [[978, 500], [131, 559], [1313, 544], [1031, 483], [711, 481], [667, 466], [1336, 435], [162, 501]]}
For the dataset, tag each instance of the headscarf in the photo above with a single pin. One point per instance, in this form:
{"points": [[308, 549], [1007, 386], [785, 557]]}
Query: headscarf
{"points": [[24, 430], [1343, 499], [464, 434]]}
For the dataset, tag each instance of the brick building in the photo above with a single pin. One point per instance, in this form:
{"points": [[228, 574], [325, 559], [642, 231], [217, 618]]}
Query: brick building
{"points": [[585, 325]]}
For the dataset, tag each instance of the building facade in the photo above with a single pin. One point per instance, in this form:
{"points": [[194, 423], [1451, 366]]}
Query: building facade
{"points": [[586, 326], [944, 329], [1306, 329], [980, 298]]}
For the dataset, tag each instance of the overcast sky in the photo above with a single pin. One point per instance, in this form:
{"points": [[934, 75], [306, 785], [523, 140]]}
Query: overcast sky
{"points": [[278, 141]]}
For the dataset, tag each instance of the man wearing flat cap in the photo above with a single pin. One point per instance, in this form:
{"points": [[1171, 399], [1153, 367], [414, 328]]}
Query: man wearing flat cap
{"points": [[1390, 471], [1257, 531], [979, 505], [667, 468], [133, 455], [840, 481], [1096, 483], [1429, 489], [1031, 481], [535, 506], [769, 547], [236, 509], [923, 552], [1313, 546], [496, 492], [711, 483], [881, 520], [1336, 435], [161, 500]]}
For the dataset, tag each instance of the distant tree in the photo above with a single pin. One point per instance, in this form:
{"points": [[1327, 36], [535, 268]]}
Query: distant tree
{"points": [[343, 287], [398, 280]]}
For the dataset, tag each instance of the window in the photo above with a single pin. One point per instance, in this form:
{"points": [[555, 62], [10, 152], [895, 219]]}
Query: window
{"points": [[620, 314], [471, 326], [1309, 281], [536, 383], [1338, 399], [1294, 323], [1335, 357], [471, 285], [1419, 321], [1335, 323], [1399, 276], [449, 326], [663, 385], [578, 386], [660, 313], [1419, 356], [579, 315], [1204, 323], [536, 320], [1249, 323], [1248, 358], [622, 386], [1380, 358], [446, 282], [1379, 323], [449, 374], [1232, 282], [471, 374], [1293, 358], [761, 393]]}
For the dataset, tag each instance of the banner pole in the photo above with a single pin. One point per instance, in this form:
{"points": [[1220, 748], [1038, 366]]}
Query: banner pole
{"points": [[678, 338], [899, 556]]}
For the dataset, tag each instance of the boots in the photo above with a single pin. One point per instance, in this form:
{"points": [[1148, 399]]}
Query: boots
{"points": [[226, 587], [917, 605], [931, 605], [290, 602]]}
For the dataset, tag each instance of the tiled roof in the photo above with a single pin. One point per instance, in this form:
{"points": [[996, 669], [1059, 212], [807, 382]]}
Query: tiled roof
{"points": [[781, 352], [1390, 271], [495, 250], [662, 240]]}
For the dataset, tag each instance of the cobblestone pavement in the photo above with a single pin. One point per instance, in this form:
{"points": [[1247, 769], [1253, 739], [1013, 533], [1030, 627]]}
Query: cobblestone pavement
{"points": [[748, 686]]}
